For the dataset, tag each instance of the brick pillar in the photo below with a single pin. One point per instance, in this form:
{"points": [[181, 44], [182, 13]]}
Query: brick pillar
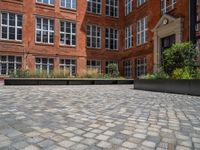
{"points": [[30, 62], [56, 64], [81, 65]]}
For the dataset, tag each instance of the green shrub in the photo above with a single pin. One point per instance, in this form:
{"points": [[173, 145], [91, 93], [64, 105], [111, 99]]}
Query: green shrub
{"points": [[182, 73], [113, 70], [179, 56], [158, 75], [197, 76], [90, 73]]}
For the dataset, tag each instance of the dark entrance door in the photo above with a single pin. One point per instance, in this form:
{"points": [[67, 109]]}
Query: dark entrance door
{"points": [[166, 43]]}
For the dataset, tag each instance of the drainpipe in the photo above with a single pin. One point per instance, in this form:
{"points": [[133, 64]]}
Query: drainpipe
{"points": [[192, 20]]}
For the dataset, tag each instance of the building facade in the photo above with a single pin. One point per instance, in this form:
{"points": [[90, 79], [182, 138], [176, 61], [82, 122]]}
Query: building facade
{"points": [[79, 34]]}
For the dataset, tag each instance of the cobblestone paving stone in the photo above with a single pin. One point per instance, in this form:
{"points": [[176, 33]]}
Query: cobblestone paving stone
{"points": [[96, 118]]}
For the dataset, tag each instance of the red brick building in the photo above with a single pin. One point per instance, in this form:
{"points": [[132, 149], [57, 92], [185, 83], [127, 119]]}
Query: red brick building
{"points": [[80, 34]]}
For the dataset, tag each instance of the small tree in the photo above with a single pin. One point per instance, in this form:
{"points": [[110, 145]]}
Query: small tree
{"points": [[180, 55], [113, 70]]}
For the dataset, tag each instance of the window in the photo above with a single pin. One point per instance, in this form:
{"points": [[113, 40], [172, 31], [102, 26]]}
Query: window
{"points": [[127, 69], [111, 38], [110, 62], [94, 64], [10, 64], [197, 25], [68, 65], [94, 6], [142, 29], [44, 64], [167, 5], [11, 26], [112, 8], [129, 37], [69, 4], [93, 36], [49, 2], [141, 68], [44, 30], [140, 2], [128, 7], [67, 33]]}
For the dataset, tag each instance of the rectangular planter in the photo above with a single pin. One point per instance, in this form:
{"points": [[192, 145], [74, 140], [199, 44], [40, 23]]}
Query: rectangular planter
{"points": [[190, 87], [66, 81]]}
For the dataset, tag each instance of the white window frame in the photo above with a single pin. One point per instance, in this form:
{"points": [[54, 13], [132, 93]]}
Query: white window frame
{"points": [[65, 33], [95, 37], [42, 30], [142, 31], [8, 26], [115, 8], [140, 2], [141, 68], [128, 7], [48, 64], [70, 66], [72, 2], [96, 4], [128, 68], [129, 37], [114, 38], [96, 66], [48, 3], [166, 8], [15, 62]]}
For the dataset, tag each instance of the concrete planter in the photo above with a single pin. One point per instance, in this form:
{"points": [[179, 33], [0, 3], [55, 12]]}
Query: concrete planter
{"points": [[66, 81], [190, 87]]}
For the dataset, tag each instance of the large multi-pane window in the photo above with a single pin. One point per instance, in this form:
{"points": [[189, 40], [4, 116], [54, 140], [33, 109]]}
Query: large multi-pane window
{"points": [[69, 4], [11, 26], [94, 6], [142, 28], [93, 36], [112, 8], [167, 5], [67, 33], [127, 69], [94, 64], [129, 37], [141, 66], [140, 2], [68, 65], [111, 38], [44, 30], [10, 64], [49, 2], [44, 64], [128, 6]]}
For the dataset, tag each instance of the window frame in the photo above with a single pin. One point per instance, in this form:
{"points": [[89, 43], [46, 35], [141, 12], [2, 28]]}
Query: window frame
{"points": [[113, 38], [129, 37], [71, 5], [96, 66], [71, 33], [96, 4], [92, 36], [8, 26], [42, 30], [49, 2], [71, 65], [140, 65], [41, 64], [142, 31], [108, 5], [128, 7], [15, 62]]}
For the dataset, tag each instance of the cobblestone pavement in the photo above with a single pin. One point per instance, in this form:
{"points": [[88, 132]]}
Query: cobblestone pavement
{"points": [[95, 118]]}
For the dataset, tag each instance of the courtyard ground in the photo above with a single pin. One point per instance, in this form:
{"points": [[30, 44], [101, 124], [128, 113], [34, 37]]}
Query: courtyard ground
{"points": [[96, 117]]}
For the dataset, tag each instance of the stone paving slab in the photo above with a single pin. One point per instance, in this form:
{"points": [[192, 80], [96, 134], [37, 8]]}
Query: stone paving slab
{"points": [[97, 118]]}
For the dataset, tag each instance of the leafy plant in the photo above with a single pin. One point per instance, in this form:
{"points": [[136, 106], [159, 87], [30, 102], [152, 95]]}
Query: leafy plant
{"points": [[113, 70], [180, 55], [157, 75], [182, 73], [90, 73]]}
